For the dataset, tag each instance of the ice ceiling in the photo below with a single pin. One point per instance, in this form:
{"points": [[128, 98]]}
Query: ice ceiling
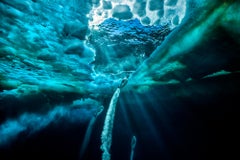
{"points": [[50, 46], [53, 53], [148, 12]]}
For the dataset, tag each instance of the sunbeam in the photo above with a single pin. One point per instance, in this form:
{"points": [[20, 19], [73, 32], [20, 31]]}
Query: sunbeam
{"points": [[89, 132]]}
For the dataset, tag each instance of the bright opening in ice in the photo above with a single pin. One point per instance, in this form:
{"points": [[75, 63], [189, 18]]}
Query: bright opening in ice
{"points": [[150, 12]]}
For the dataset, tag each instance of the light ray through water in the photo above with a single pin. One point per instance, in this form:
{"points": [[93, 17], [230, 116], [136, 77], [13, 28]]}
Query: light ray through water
{"points": [[143, 124], [89, 132]]}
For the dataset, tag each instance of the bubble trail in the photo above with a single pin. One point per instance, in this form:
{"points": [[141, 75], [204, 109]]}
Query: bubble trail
{"points": [[133, 145], [108, 123]]}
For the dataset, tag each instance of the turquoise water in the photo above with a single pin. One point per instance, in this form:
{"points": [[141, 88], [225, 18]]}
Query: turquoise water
{"points": [[119, 79]]}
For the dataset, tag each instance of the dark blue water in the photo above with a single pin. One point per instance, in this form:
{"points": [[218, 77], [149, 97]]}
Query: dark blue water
{"points": [[166, 126]]}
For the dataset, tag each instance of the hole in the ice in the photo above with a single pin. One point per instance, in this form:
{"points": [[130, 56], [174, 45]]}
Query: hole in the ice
{"points": [[158, 12], [125, 32], [121, 46]]}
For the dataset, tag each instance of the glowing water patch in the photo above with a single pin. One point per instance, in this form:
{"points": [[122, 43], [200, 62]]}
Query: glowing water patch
{"points": [[219, 73]]}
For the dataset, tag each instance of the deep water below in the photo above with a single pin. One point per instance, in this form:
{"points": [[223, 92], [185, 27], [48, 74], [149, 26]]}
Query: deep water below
{"points": [[167, 125]]}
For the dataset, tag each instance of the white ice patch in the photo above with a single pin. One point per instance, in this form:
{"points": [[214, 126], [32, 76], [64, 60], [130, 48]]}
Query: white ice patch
{"points": [[173, 13]]}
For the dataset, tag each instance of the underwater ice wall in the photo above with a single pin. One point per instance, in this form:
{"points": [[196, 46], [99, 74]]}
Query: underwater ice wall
{"points": [[45, 48], [42, 42], [44, 56], [149, 12], [44, 63], [176, 61]]}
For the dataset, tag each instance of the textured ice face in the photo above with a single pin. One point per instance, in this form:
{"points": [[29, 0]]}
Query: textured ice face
{"points": [[177, 58], [149, 12], [46, 45], [50, 45], [121, 46]]}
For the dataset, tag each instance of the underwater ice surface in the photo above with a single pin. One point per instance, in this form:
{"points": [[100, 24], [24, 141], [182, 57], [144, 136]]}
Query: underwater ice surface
{"points": [[64, 62]]}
